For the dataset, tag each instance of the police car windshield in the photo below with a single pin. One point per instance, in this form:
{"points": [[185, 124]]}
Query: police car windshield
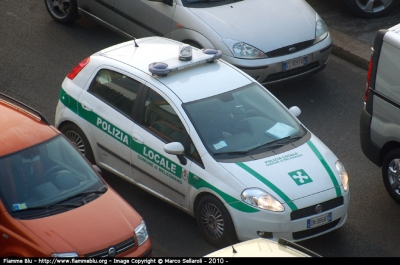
{"points": [[241, 120]]}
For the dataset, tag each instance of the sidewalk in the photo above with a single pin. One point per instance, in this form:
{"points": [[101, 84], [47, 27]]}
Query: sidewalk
{"points": [[350, 49], [352, 36]]}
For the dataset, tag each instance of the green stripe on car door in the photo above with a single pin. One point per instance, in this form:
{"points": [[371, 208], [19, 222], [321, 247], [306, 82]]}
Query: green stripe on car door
{"points": [[142, 149], [327, 168], [280, 193], [120, 135]]}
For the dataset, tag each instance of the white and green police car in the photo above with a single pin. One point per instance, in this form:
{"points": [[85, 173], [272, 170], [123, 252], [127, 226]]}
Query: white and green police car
{"points": [[199, 133]]}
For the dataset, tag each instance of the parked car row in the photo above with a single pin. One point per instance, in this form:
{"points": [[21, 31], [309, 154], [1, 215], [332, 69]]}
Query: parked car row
{"points": [[225, 152], [159, 113]]}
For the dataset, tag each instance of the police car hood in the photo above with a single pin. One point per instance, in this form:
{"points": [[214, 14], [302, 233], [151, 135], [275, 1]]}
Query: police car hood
{"points": [[264, 24], [298, 173], [97, 225]]}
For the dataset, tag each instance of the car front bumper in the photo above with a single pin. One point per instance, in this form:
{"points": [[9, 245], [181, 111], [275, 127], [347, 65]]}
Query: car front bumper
{"points": [[270, 70], [292, 225]]}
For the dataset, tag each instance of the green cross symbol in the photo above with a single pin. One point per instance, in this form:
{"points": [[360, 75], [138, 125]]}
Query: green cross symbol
{"points": [[300, 177]]}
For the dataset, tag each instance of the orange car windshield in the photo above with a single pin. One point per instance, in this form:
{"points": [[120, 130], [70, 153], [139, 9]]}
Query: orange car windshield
{"points": [[46, 179]]}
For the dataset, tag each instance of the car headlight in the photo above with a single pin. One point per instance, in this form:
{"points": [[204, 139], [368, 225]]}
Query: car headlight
{"points": [[64, 255], [243, 50], [343, 175], [261, 199], [141, 233], [321, 30]]}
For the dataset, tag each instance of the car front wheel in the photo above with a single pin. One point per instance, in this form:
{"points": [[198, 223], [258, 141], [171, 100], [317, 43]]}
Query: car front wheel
{"points": [[371, 8], [215, 223], [78, 138], [391, 174], [62, 11]]}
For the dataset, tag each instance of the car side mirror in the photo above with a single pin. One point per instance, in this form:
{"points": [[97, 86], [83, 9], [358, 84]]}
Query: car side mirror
{"points": [[176, 148], [295, 111]]}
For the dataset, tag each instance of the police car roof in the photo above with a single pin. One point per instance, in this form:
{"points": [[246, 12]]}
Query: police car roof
{"points": [[192, 83]]}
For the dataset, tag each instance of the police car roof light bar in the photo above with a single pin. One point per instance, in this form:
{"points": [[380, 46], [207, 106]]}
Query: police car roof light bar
{"points": [[176, 64]]}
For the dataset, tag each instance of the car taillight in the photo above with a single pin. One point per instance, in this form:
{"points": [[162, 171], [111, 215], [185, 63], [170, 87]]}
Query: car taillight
{"points": [[368, 80], [74, 72]]}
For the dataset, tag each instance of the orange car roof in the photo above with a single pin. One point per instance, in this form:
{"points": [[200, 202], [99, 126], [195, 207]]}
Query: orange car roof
{"points": [[21, 128]]}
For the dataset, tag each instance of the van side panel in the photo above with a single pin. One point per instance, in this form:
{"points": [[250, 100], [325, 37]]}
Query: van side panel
{"points": [[385, 124], [387, 79]]}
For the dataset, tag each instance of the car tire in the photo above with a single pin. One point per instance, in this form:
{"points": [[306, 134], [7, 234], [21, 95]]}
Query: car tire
{"points": [[215, 222], [391, 174], [78, 138], [63, 12], [367, 9]]}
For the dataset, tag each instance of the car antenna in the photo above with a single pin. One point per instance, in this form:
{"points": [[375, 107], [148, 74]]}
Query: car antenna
{"points": [[233, 249], [134, 39]]}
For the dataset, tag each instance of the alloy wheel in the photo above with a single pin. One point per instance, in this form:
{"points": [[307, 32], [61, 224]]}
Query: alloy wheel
{"points": [[394, 175], [212, 220]]}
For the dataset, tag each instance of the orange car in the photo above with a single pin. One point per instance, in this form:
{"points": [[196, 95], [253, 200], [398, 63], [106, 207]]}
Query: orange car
{"points": [[53, 203]]}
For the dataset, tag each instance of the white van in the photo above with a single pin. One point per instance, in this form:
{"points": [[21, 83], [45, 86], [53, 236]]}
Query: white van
{"points": [[380, 118]]}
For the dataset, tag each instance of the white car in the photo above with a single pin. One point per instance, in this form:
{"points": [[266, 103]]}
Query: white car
{"points": [[261, 247], [204, 136], [271, 40]]}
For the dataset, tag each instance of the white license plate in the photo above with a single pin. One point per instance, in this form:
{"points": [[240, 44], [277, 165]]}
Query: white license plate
{"points": [[294, 63], [320, 220]]}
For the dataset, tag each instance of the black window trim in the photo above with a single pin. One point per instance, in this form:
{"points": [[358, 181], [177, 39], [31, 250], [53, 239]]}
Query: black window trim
{"points": [[138, 120], [135, 107]]}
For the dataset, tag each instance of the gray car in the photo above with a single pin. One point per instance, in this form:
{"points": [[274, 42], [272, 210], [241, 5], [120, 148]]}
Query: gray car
{"points": [[270, 40]]}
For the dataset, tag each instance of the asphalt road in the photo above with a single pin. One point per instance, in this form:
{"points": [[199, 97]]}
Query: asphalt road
{"points": [[36, 54]]}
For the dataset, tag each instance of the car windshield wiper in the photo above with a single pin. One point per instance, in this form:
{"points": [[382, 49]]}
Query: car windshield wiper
{"points": [[72, 205], [276, 143], [85, 194], [231, 153], [204, 1], [268, 145], [102, 190]]}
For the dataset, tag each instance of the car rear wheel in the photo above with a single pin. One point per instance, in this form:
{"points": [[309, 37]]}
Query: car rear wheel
{"points": [[215, 222], [371, 8], [78, 138], [391, 174], [62, 11]]}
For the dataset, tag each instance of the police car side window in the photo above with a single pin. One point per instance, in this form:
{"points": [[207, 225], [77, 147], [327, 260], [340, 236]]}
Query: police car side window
{"points": [[161, 119], [116, 89]]}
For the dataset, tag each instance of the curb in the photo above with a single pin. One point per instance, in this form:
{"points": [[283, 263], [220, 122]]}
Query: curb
{"points": [[350, 49]]}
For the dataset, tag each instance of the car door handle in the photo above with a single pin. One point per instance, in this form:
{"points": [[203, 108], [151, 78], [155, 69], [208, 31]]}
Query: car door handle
{"points": [[86, 106], [137, 138]]}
